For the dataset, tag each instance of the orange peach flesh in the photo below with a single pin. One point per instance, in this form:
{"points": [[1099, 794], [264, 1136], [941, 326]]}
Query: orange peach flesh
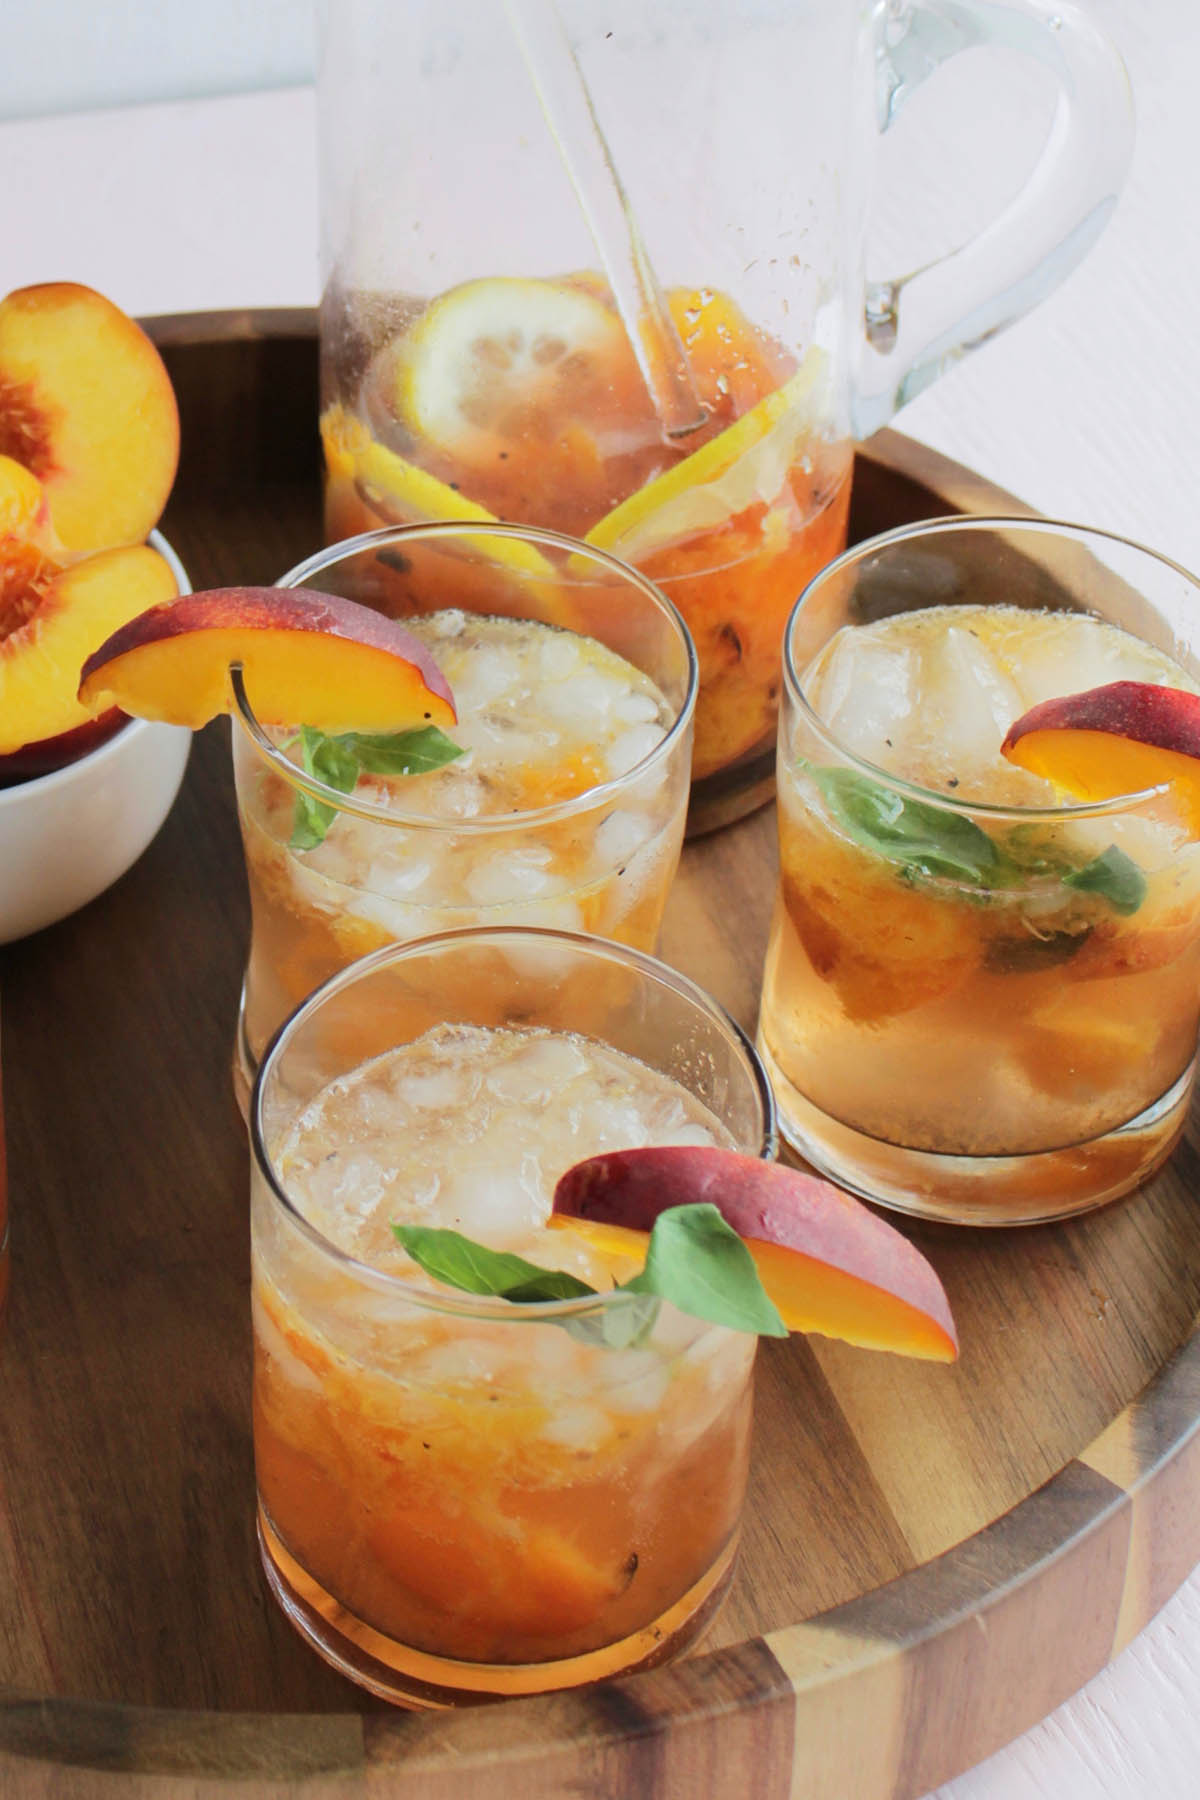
{"points": [[23, 510], [1115, 740], [87, 406], [306, 658], [50, 617], [829, 1264]]}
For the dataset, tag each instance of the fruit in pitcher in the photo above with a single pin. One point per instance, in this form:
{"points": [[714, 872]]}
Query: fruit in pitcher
{"points": [[497, 360], [830, 1265], [87, 407], [1115, 740], [51, 615], [305, 657]]}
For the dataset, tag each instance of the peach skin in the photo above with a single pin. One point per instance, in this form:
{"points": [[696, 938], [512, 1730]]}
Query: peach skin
{"points": [[1115, 740], [306, 658], [829, 1264]]}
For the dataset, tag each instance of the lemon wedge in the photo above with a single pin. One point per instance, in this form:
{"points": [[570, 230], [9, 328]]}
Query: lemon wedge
{"points": [[489, 359], [748, 462], [400, 490]]}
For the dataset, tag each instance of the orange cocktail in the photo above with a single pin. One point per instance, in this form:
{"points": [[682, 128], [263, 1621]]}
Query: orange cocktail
{"points": [[574, 685], [981, 996], [459, 1496]]}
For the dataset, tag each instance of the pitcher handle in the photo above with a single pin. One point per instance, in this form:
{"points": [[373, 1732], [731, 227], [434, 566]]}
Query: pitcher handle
{"points": [[916, 326]]}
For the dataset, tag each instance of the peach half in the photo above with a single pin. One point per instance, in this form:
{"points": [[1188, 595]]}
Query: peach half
{"points": [[306, 658], [1114, 740], [87, 406], [51, 615], [829, 1264]]}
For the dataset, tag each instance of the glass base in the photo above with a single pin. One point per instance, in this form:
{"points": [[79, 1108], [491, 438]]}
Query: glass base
{"points": [[414, 1678], [1027, 1189]]}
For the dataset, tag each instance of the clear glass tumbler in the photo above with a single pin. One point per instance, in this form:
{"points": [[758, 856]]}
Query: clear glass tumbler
{"points": [[575, 681], [981, 999], [462, 1498]]}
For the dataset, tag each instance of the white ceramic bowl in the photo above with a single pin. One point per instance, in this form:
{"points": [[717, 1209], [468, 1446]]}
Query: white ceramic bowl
{"points": [[67, 836]]}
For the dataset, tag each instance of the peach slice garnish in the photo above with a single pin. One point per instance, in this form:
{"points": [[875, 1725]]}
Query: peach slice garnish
{"points": [[87, 406], [1115, 740], [51, 616], [829, 1264], [306, 658]]}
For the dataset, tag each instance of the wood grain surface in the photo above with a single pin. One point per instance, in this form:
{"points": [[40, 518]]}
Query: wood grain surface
{"points": [[933, 1558]]}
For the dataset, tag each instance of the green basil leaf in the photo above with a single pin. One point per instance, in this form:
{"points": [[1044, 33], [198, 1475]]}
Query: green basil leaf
{"points": [[700, 1264], [311, 819], [921, 837], [460, 1263], [326, 759], [403, 752], [338, 760], [624, 1322], [1115, 876]]}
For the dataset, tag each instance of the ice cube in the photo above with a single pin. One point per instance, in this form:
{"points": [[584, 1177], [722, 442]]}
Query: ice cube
{"points": [[491, 1202], [537, 1071], [636, 1380], [632, 747], [509, 876], [967, 704], [577, 1428], [620, 836], [865, 692], [558, 656], [637, 708], [584, 703]]}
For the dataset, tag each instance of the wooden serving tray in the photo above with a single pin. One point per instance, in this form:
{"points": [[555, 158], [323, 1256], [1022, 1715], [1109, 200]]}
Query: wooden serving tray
{"points": [[933, 1558]]}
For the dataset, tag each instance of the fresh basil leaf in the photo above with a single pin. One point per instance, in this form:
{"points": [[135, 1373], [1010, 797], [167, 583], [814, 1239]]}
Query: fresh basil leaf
{"points": [[700, 1264], [403, 752], [337, 761], [460, 1263], [327, 760], [922, 838], [1115, 876], [311, 819], [624, 1322]]}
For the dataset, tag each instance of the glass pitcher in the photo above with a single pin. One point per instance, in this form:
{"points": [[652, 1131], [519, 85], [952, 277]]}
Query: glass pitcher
{"points": [[600, 268]]}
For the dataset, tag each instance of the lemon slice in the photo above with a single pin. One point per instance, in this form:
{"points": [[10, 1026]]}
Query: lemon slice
{"points": [[749, 461], [492, 357], [394, 487]]}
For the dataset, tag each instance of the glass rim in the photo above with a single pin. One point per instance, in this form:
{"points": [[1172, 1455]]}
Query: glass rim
{"points": [[941, 526], [486, 1306], [601, 794]]}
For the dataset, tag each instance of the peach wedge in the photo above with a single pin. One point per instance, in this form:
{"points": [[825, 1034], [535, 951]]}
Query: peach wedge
{"points": [[1115, 740], [306, 658], [829, 1264], [51, 616], [87, 406]]}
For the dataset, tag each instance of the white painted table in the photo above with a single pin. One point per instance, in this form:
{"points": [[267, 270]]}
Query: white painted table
{"points": [[1088, 410]]}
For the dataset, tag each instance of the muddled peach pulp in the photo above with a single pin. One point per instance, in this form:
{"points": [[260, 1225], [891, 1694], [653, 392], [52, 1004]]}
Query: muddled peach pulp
{"points": [[521, 400]]}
